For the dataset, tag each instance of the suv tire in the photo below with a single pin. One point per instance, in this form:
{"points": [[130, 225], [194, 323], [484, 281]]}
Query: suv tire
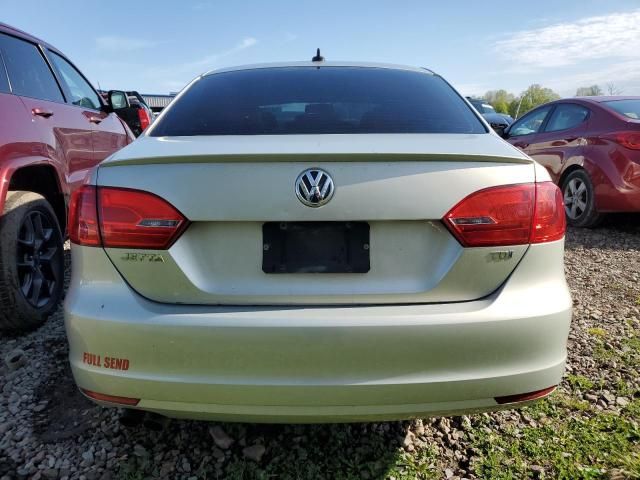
{"points": [[579, 200], [31, 261]]}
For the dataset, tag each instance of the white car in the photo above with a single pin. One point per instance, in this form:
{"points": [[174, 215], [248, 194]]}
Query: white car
{"points": [[312, 242]]}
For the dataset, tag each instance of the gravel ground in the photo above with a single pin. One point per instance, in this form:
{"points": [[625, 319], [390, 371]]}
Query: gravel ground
{"points": [[588, 429]]}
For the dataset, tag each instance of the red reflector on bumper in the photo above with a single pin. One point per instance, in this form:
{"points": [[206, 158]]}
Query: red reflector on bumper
{"points": [[110, 398], [523, 397]]}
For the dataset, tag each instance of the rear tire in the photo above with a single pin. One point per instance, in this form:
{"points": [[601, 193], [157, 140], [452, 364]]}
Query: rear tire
{"points": [[579, 200], [31, 261]]}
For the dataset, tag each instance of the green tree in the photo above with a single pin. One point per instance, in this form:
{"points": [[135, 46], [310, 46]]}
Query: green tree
{"points": [[532, 97], [499, 99], [592, 91]]}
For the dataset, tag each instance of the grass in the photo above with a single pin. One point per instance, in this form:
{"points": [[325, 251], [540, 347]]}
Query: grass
{"points": [[573, 443], [573, 439], [580, 382], [597, 332]]}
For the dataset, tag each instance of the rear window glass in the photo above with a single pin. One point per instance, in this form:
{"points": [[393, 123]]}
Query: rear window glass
{"points": [[628, 108], [487, 108], [311, 100]]}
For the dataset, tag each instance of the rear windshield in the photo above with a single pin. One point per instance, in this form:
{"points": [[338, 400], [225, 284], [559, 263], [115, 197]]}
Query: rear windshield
{"points": [[311, 100], [487, 108], [628, 108]]}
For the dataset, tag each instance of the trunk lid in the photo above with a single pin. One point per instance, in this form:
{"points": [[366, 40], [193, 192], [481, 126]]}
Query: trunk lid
{"points": [[230, 186]]}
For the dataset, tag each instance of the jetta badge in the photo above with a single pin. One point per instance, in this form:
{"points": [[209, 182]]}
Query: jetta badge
{"points": [[314, 187]]}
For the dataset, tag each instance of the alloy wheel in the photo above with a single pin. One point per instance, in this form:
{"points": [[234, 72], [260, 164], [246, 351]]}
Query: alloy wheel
{"points": [[38, 259], [575, 198]]}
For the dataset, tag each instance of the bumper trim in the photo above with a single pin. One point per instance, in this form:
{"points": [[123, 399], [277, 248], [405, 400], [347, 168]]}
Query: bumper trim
{"points": [[523, 397], [102, 397]]}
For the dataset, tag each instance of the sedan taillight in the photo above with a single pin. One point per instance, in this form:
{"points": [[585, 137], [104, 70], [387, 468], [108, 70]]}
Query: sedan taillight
{"points": [[630, 140], [123, 218], [508, 215], [549, 221], [83, 217]]}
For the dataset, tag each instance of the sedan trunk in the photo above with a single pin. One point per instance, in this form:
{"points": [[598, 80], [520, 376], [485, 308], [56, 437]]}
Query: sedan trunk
{"points": [[379, 240]]}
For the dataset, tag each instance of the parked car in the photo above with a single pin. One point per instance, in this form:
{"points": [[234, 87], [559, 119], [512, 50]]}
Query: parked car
{"points": [[54, 128], [275, 247], [591, 148], [498, 121], [134, 111]]}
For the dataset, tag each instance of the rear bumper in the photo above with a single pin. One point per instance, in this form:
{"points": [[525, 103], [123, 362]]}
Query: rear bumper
{"points": [[309, 364], [619, 199]]}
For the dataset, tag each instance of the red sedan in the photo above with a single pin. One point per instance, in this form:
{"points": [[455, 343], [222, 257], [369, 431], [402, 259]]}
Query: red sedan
{"points": [[591, 148]]}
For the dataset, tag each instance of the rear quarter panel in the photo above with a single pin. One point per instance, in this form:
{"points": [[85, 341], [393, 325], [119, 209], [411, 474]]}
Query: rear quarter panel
{"points": [[613, 169]]}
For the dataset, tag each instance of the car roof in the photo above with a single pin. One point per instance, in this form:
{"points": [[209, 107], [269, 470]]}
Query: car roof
{"points": [[320, 65], [605, 98], [16, 32]]}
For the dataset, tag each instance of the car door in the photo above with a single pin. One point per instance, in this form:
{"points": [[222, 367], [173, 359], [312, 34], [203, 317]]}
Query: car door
{"points": [[16, 132], [63, 131], [561, 140], [522, 133], [108, 133]]}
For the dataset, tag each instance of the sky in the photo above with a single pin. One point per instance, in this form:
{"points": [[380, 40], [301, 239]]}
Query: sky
{"points": [[159, 46]]}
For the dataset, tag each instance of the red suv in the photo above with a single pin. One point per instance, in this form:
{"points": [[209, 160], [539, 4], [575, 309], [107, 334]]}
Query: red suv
{"points": [[54, 128], [591, 148]]}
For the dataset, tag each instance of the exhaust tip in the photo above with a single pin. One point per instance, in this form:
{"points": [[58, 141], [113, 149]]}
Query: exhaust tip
{"points": [[131, 418], [155, 422]]}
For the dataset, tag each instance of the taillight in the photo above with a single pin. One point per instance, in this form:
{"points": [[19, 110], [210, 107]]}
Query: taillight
{"points": [[626, 139], [143, 117], [493, 216], [508, 215], [549, 221], [123, 218], [83, 217]]}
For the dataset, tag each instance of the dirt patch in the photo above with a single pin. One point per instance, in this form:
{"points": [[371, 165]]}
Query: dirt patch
{"points": [[67, 413]]}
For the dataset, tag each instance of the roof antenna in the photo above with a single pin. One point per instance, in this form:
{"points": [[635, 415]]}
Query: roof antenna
{"points": [[318, 57]]}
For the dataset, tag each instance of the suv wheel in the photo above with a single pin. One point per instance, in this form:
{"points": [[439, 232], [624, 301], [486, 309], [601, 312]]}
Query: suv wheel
{"points": [[31, 261], [579, 200]]}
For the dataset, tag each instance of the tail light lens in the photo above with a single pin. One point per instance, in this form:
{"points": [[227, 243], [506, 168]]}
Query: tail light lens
{"points": [[144, 118], [549, 221], [508, 215], [494, 216], [123, 218], [630, 140], [83, 217]]}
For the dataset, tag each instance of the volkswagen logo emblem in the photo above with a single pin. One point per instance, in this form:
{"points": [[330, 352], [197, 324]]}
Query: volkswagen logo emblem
{"points": [[314, 187]]}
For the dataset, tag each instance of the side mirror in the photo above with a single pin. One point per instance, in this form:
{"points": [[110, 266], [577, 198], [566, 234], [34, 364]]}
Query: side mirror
{"points": [[118, 99], [503, 131]]}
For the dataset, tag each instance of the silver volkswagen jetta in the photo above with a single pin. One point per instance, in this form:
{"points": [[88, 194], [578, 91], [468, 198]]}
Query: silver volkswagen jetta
{"points": [[317, 242]]}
